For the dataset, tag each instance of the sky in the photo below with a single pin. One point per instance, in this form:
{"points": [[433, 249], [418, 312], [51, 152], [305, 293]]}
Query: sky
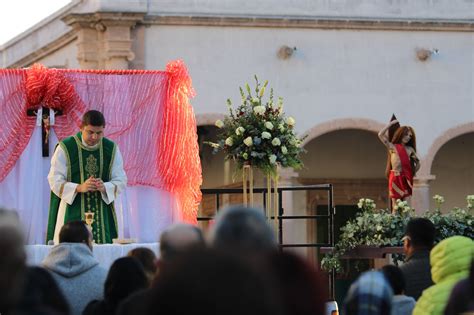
{"points": [[16, 16]]}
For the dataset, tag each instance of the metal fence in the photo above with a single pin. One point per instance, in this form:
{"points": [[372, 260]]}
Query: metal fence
{"points": [[328, 217]]}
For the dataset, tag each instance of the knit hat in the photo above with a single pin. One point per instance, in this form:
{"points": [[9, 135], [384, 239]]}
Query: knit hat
{"points": [[370, 294]]}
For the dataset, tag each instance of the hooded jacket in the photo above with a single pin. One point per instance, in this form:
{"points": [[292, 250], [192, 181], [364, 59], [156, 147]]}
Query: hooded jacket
{"points": [[402, 305], [77, 273], [450, 261]]}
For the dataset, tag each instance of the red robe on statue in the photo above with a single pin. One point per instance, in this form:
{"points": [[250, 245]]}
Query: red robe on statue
{"points": [[400, 184]]}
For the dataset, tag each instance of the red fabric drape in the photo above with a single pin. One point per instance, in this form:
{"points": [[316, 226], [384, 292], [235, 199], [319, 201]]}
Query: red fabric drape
{"points": [[147, 113]]}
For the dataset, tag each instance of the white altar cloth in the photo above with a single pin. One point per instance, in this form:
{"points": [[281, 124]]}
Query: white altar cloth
{"points": [[106, 254]]}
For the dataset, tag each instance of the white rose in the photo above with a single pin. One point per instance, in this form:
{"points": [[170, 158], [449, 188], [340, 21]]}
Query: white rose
{"points": [[281, 127], [219, 123], [266, 135], [290, 121], [284, 150], [293, 141], [259, 110], [229, 141], [239, 131], [276, 142], [248, 141], [268, 125], [272, 158]]}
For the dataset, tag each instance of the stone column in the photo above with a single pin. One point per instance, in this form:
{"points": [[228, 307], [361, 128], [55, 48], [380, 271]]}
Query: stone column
{"points": [[287, 179], [88, 44], [421, 193], [118, 44], [104, 38]]}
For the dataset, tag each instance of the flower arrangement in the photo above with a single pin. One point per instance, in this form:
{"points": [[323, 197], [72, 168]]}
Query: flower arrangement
{"points": [[381, 228], [258, 133]]}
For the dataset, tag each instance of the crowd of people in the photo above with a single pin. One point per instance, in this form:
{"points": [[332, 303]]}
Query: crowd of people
{"points": [[424, 283], [236, 268]]}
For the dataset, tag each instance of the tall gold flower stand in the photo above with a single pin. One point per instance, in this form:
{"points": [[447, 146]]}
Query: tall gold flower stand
{"points": [[271, 201]]}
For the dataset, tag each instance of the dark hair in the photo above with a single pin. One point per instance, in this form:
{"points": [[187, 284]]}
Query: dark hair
{"points": [[301, 287], [74, 232], [93, 118], [12, 261], [208, 281], [147, 258], [126, 276], [421, 232], [41, 294], [395, 277], [178, 239], [238, 228]]}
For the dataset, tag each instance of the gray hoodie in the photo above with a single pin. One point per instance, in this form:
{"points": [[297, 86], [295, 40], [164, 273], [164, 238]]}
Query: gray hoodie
{"points": [[77, 273]]}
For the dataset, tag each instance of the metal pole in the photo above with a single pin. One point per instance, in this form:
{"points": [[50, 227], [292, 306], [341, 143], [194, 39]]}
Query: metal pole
{"points": [[280, 216]]}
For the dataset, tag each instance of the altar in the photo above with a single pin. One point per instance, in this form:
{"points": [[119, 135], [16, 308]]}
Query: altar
{"points": [[106, 254]]}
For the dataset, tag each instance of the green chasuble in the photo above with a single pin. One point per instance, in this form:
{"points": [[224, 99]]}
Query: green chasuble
{"points": [[82, 163]]}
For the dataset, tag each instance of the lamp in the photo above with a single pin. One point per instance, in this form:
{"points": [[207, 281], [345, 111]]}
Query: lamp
{"points": [[285, 52], [423, 54]]}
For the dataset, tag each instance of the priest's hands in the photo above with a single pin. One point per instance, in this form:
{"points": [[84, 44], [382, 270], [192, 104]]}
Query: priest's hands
{"points": [[100, 185], [91, 184]]}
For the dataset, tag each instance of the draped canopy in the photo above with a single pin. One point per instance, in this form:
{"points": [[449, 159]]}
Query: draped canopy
{"points": [[147, 113]]}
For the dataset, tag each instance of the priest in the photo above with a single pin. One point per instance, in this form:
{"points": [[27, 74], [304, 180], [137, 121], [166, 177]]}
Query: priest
{"points": [[86, 176]]}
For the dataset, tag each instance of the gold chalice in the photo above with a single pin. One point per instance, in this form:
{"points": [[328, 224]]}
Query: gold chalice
{"points": [[89, 218]]}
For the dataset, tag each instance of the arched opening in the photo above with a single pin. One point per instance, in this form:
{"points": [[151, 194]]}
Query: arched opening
{"points": [[453, 166], [214, 174], [353, 160]]}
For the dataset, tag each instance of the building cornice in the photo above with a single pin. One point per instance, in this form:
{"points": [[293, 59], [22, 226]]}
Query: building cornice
{"points": [[101, 20], [111, 18], [45, 50], [314, 23]]}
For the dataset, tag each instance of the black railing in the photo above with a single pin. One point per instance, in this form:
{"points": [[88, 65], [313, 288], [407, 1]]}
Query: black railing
{"points": [[328, 217]]}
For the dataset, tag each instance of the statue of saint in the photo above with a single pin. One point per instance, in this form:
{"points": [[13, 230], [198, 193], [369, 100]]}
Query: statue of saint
{"points": [[402, 161]]}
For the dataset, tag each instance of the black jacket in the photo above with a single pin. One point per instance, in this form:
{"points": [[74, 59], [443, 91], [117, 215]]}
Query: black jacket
{"points": [[417, 273]]}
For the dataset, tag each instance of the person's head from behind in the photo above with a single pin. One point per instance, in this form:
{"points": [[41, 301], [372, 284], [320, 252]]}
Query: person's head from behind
{"points": [[301, 287], [208, 281], [177, 239], [419, 234], [147, 258], [42, 294], [370, 294], [395, 278], [92, 127], [242, 229], [12, 259], [126, 276], [76, 232]]}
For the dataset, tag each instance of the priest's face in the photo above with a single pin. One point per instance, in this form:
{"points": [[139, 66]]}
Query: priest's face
{"points": [[92, 134]]}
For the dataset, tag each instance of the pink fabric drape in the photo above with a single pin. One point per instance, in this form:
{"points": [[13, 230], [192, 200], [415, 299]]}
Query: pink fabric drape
{"points": [[147, 113]]}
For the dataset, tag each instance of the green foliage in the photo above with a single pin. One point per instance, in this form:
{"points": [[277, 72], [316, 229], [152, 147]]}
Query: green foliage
{"points": [[258, 133], [381, 228]]}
